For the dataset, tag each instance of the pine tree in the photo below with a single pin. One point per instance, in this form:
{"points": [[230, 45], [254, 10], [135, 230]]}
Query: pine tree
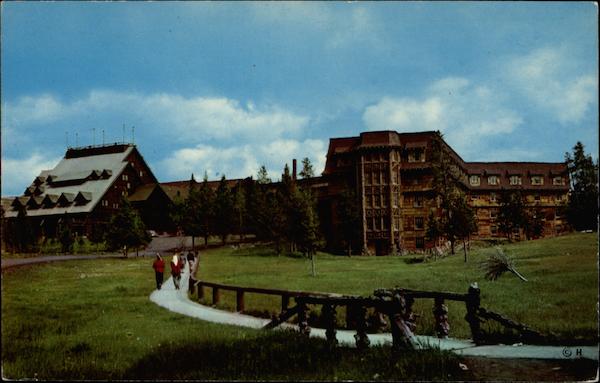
{"points": [[582, 211], [307, 169], [239, 209], [224, 210], [262, 176], [511, 215], [205, 211], [126, 229]]}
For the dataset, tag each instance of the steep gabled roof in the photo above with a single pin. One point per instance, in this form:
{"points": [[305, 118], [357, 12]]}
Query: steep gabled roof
{"points": [[80, 180]]}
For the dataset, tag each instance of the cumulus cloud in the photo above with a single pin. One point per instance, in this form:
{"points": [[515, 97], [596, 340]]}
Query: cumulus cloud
{"points": [[195, 118], [17, 174], [466, 113], [243, 160], [546, 77]]}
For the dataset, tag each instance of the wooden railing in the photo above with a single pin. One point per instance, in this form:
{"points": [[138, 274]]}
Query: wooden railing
{"points": [[395, 303]]}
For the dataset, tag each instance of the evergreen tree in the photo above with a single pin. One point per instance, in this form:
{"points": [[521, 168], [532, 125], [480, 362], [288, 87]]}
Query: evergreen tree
{"points": [[534, 223], [446, 186], [263, 176], [511, 215], [205, 211], [239, 209], [582, 211], [434, 228], [224, 210], [126, 229], [65, 235], [20, 236], [350, 220], [308, 235], [464, 221], [307, 169]]}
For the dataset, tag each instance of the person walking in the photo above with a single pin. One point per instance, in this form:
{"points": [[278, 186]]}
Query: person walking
{"points": [[175, 271], [190, 259], [159, 269]]}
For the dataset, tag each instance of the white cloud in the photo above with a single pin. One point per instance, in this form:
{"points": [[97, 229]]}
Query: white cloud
{"points": [[195, 118], [467, 114], [549, 77], [22, 172], [243, 160], [345, 26]]}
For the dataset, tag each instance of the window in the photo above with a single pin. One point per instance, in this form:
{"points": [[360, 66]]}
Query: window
{"points": [[420, 242], [124, 177], [104, 202], [536, 197], [384, 223], [368, 201], [124, 193], [128, 185], [474, 180], [369, 223], [416, 156], [377, 223], [418, 202], [493, 197], [494, 229], [375, 178], [493, 214], [558, 181], [474, 197], [419, 223], [537, 180], [396, 223], [384, 200], [493, 180], [141, 173], [377, 200], [515, 180], [394, 199]]}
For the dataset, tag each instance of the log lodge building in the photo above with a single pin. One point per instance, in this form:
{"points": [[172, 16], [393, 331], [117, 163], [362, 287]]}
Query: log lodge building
{"points": [[390, 172]]}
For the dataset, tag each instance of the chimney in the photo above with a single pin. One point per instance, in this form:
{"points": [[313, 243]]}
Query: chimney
{"points": [[294, 169]]}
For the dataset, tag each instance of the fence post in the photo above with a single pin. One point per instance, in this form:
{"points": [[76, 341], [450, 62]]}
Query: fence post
{"points": [[473, 301], [328, 315], [240, 300], [362, 340], [440, 313], [215, 295], [200, 291], [399, 312], [303, 318], [285, 302], [191, 285]]}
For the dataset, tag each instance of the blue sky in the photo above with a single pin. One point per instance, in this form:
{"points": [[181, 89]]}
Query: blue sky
{"points": [[225, 87]]}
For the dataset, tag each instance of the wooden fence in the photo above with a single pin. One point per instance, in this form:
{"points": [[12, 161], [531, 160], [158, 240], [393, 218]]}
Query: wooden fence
{"points": [[396, 304]]}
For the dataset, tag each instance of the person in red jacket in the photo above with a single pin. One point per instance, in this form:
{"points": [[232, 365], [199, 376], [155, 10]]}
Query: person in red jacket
{"points": [[159, 269], [175, 271]]}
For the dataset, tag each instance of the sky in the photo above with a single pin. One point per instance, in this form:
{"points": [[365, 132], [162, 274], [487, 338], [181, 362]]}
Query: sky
{"points": [[225, 87]]}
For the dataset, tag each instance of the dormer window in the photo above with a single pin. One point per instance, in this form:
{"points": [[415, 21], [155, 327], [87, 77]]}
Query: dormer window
{"points": [[558, 181], [416, 155], [537, 180], [493, 180], [474, 180], [515, 180]]}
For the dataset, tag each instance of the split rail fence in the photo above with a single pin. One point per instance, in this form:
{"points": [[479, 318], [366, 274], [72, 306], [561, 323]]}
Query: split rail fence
{"points": [[395, 303]]}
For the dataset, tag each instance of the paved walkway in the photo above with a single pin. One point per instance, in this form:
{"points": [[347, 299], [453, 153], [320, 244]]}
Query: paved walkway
{"points": [[178, 301]]}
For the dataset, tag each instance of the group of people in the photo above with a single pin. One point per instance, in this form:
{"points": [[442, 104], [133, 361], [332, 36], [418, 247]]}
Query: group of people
{"points": [[177, 267]]}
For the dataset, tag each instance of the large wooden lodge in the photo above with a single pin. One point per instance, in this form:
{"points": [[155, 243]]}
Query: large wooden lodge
{"points": [[390, 172]]}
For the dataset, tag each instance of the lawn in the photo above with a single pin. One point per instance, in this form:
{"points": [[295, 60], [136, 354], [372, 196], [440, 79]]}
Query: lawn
{"points": [[93, 320], [560, 296]]}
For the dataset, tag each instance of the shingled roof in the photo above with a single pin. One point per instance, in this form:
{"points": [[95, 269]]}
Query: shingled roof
{"points": [[76, 184]]}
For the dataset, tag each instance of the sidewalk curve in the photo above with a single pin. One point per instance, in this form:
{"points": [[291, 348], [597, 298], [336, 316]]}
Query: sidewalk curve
{"points": [[179, 302]]}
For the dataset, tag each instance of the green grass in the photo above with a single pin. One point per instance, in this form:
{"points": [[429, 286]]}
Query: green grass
{"points": [[560, 296], [93, 320]]}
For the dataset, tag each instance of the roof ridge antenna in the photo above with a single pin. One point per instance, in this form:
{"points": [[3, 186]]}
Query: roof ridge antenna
{"points": [[132, 135]]}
